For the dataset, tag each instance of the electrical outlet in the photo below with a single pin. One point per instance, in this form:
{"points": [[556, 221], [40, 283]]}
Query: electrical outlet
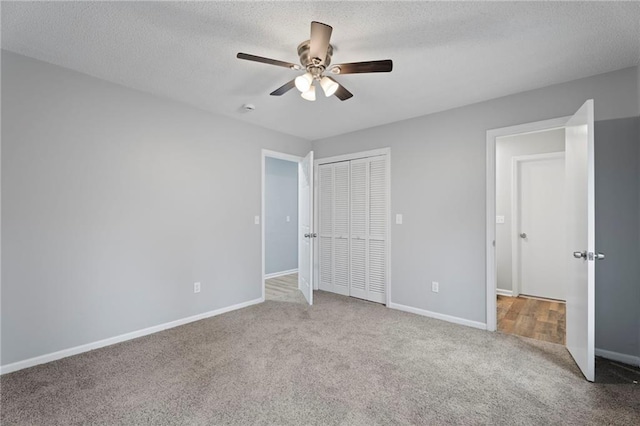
{"points": [[196, 287], [435, 287]]}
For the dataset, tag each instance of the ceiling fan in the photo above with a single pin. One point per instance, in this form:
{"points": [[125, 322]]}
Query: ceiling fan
{"points": [[315, 57]]}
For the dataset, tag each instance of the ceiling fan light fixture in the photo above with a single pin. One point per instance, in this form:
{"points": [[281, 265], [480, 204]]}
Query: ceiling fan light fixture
{"points": [[329, 86], [310, 94], [303, 82]]}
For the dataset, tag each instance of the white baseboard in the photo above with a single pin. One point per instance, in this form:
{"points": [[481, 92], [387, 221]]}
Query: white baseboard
{"points": [[616, 356], [443, 317], [501, 292], [281, 273], [19, 365]]}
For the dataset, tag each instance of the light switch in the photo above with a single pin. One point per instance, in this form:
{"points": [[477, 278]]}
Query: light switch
{"points": [[288, 218], [398, 219], [499, 219], [256, 220]]}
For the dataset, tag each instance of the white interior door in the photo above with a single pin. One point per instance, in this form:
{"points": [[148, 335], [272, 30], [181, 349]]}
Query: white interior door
{"points": [[541, 235], [305, 224], [580, 195]]}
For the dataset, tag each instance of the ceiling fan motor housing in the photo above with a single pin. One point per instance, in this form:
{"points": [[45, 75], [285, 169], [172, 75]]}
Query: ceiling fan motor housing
{"points": [[308, 62]]}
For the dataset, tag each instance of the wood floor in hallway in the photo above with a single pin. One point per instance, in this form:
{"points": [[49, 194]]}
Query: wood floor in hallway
{"points": [[280, 286], [536, 318]]}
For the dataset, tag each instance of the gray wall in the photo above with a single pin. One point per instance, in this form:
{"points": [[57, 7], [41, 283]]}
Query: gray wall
{"points": [[638, 142], [114, 202], [617, 230], [438, 172], [507, 148], [281, 200]]}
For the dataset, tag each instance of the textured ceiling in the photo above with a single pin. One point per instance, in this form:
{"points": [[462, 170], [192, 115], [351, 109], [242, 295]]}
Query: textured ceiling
{"points": [[445, 54]]}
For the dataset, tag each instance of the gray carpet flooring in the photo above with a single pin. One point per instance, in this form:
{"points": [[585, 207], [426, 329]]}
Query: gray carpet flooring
{"points": [[341, 362]]}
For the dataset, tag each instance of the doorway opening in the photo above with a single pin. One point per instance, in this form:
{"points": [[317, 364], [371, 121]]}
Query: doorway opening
{"points": [[530, 235], [579, 221], [280, 183]]}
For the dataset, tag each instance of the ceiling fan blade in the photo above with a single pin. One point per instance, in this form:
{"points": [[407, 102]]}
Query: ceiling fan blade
{"points": [[319, 42], [342, 93], [269, 61], [284, 88], [385, 65]]}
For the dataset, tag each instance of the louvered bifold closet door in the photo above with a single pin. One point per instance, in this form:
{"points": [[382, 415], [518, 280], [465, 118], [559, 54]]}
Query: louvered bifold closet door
{"points": [[325, 228], [334, 227], [353, 228], [377, 222], [359, 185], [341, 228]]}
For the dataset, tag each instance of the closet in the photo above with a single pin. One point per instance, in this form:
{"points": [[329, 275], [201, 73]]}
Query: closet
{"points": [[353, 228]]}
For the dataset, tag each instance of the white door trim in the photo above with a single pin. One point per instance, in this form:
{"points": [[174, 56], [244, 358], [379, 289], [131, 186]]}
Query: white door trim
{"points": [[492, 134], [347, 157], [515, 212], [263, 155], [353, 156]]}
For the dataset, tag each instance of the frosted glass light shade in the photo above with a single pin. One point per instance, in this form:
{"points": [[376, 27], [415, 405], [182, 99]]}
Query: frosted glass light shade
{"points": [[303, 82], [310, 94], [329, 86]]}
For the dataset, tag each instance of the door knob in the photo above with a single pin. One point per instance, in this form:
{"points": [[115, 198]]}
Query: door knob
{"points": [[599, 256], [310, 235], [580, 254], [307, 235], [523, 235], [595, 256]]}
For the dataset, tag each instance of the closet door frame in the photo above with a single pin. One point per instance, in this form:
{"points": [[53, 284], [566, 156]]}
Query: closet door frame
{"points": [[347, 157]]}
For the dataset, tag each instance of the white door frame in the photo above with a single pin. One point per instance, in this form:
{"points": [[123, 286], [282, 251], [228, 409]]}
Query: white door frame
{"points": [[516, 162], [346, 157], [281, 156], [491, 279]]}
